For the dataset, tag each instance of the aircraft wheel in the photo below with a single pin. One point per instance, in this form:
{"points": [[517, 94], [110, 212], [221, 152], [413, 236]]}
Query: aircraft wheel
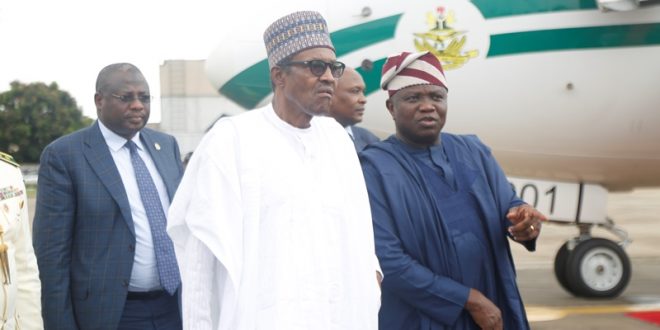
{"points": [[561, 260], [597, 268]]}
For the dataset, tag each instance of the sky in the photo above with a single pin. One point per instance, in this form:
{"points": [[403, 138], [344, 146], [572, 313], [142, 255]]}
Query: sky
{"points": [[70, 41]]}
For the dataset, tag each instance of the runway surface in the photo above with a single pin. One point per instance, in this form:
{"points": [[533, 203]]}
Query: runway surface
{"points": [[550, 307]]}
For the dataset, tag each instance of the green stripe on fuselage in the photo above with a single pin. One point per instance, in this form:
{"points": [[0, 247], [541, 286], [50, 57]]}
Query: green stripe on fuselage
{"points": [[493, 9], [345, 40], [574, 38], [372, 77], [250, 86]]}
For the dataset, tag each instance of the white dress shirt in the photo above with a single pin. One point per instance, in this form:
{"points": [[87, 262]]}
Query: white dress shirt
{"points": [[144, 276]]}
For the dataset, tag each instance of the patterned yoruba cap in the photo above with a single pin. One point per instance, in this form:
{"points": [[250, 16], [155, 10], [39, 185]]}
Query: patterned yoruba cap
{"points": [[409, 69], [294, 33]]}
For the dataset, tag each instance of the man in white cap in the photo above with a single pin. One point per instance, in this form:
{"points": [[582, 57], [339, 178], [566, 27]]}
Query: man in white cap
{"points": [[442, 211], [271, 222]]}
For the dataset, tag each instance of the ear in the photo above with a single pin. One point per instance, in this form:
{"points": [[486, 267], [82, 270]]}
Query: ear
{"points": [[390, 107], [98, 100], [277, 76]]}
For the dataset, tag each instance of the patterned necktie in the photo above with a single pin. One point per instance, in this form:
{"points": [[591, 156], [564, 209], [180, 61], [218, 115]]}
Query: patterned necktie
{"points": [[163, 247]]}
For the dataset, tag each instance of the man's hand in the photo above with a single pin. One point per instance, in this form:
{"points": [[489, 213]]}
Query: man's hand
{"points": [[483, 311], [379, 278], [526, 222]]}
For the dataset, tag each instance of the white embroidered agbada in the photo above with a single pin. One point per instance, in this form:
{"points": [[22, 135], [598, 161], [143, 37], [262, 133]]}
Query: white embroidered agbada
{"points": [[272, 229]]}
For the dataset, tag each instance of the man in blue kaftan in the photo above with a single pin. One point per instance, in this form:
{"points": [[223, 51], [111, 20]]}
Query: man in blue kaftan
{"points": [[443, 211]]}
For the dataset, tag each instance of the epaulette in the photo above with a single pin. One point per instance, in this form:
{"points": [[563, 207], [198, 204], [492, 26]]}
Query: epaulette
{"points": [[7, 158]]}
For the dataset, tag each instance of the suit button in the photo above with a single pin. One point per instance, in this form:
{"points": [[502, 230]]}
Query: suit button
{"points": [[124, 283], [131, 247]]}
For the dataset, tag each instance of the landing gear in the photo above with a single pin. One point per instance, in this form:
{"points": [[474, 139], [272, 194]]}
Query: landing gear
{"points": [[594, 267], [561, 260]]}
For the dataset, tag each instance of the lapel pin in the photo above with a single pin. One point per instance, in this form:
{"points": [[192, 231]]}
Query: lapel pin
{"points": [[157, 146]]}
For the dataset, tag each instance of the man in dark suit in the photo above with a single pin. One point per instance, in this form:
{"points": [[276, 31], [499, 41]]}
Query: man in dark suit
{"points": [[104, 257], [348, 108]]}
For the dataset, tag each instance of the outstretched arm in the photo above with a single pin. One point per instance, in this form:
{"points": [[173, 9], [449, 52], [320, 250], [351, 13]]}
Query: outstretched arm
{"points": [[526, 219], [527, 222]]}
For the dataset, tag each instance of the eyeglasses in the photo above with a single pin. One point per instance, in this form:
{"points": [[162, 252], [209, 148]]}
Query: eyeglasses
{"points": [[130, 98], [318, 67]]}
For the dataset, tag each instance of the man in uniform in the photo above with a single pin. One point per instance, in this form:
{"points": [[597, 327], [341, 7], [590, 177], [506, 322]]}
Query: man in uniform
{"points": [[19, 276]]}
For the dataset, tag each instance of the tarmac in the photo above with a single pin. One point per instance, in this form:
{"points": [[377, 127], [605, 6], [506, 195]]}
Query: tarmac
{"points": [[549, 306]]}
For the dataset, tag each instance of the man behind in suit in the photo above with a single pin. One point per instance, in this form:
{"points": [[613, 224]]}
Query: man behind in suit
{"points": [[348, 108], [105, 259]]}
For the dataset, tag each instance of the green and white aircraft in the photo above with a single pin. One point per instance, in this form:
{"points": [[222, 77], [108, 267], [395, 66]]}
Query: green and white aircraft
{"points": [[565, 92]]}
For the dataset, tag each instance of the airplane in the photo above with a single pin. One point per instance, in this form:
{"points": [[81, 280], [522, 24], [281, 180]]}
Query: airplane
{"points": [[563, 91]]}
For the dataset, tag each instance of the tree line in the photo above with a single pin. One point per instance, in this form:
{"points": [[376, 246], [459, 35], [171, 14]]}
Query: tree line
{"points": [[33, 115]]}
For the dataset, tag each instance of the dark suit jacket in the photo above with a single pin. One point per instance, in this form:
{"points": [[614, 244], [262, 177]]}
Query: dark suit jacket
{"points": [[362, 138], [84, 236]]}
